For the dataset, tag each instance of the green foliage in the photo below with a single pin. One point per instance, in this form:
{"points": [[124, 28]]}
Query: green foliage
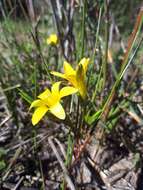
{"points": [[25, 96], [124, 13], [26, 62]]}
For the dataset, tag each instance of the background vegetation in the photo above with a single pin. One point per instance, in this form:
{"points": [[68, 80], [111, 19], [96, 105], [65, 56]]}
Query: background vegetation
{"points": [[104, 137]]}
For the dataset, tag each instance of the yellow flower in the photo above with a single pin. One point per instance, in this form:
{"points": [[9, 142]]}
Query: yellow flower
{"points": [[50, 101], [75, 77], [52, 39]]}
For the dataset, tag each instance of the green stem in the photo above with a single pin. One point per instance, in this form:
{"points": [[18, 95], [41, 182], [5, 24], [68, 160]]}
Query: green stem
{"points": [[106, 44], [77, 118], [97, 85], [117, 82], [97, 34], [83, 28], [94, 54], [35, 80]]}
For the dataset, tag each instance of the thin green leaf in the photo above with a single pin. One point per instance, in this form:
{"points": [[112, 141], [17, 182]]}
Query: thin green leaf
{"points": [[25, 96]]}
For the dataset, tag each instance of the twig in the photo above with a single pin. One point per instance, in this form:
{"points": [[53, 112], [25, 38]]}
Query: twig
{"points": [[61, 147], [17, 153], [18, 183], [25, 142], [67, 178], [5, 120]]}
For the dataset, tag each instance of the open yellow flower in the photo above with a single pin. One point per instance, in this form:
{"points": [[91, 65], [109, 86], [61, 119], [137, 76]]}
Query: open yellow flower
{"points": [[52, 39], [50, 101], [75, 77]]}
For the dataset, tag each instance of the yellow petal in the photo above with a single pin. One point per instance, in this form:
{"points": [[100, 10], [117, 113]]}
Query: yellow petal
{"points": [[80, 78], [38, 114], [55, 92], [72, 80], [58, 74], [36, 103], [58, 111], [45, 94], [68, 69], [52, 39], [55, 88], [67, 91], [84, 62]]}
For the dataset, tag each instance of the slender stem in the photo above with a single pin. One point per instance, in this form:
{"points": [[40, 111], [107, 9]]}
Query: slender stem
{"points": [[94, 54], [11, 88], [77, 117], [83, 28], [125, 64], [97, 34], [38, 46], [35, 80], [42, 175], [116, 84], [97, 85], [106, 43]]}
